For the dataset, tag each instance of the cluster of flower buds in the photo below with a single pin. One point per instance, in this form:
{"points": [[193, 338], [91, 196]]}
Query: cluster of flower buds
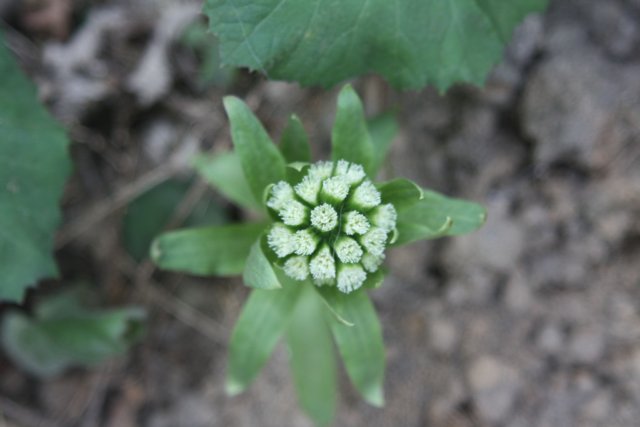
{"points": [[332, 226]]}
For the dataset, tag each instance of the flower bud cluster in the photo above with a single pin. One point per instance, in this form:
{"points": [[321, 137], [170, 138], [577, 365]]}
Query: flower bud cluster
{"points": [[332, 226]]}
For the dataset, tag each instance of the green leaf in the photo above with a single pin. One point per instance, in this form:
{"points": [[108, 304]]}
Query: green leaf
{"points": [[224, 172], [313, 361], [62, 333], [258, 271], [34, 165], [436, 216], [148, 215], [400, 192], [263, 320], [294, 143], [361, 346], [332, 298], [261, 160], [205, 251], [409, 42], [383, 129], [350, 137]]}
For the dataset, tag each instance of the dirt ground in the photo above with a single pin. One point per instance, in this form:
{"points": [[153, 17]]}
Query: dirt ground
{"points": [[534, 321]]}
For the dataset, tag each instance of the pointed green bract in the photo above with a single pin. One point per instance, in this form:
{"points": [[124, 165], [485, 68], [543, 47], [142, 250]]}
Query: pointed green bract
{"points": [[263, 320], [294, 143], [400, 192], [361, 346], [383, 129], [350, 137], [224, 172], [217, 250], [34, 165], [313, 361], [258, 271], [261, 160], [411, 43], [331, 298], [437, 216]]}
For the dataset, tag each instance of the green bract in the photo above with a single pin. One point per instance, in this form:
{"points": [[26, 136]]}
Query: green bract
{"points": [[320, 248]]}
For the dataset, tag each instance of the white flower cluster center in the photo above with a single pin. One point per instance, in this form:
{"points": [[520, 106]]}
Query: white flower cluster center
{"points": [[332, 226]]}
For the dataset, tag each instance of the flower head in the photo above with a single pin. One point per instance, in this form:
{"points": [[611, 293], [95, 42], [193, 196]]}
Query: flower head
{"points": [[332, 226]]}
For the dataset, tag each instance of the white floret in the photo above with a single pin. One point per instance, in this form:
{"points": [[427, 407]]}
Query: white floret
{"points": [[305, 242], [281, 240], [355, 223], [342, 167], [281, 194], [308, 189], [348, 250], [352, 172], [294, 213], [335, 189], [320, 170], [350, 278], [371, 262], [374, 241], [366, 195], [297, 267], [324, 217], [384, 216], [322, 266]]}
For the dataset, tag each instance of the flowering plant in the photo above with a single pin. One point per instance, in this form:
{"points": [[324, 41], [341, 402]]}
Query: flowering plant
{"points": [[321, 248]]}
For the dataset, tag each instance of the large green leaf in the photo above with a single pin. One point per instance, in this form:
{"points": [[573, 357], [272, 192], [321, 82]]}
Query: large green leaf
{"points": [[216, 250], [435, 216], [261, 160], [400, 192], [313, 362], [258, 271], [263, 320], [224, 172], [361, 345], [383, 129], [63, 333], [34, 164], [410, 42], [294, 143]]}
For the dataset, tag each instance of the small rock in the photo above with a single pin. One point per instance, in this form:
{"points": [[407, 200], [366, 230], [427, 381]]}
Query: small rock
{"points": [[587, 345], [494, 385], [443, 336]]}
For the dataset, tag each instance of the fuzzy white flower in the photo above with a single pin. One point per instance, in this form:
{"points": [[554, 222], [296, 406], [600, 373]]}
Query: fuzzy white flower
{"points": [[351, 172], [281, 240], [371, 262], [324, 217], [281, 194], [305, 242], [322, 266], [366, 196], [321, 170], [297, 267], [384, 216], [308, 189], [355, 223], [294, 213], [335, 189], [350, 278], [348, 250], [374, 241]]}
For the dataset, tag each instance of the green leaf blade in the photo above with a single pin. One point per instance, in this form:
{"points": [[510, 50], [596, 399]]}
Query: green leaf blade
{"points": [[436, 215], [294, 143], [34, 165], [361, 346], [224, 172], [261, 160], [313, 361], [383, 129], [258, 271], [400, 192], [350, 137], [262, 322], [205, 251], [410, 43]]}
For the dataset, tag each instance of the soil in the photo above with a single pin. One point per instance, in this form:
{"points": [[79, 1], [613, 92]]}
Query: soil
{"points": [[533, 321]]}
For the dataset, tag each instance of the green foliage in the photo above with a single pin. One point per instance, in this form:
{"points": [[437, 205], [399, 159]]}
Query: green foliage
{"points": [[215, 250], [205, 45], [304, 310], [410, 42], [63, 333], [34, 165], [149, 214]]}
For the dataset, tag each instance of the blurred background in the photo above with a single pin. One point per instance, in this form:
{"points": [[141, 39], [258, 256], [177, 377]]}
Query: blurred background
{"points": [[534, 321]]}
